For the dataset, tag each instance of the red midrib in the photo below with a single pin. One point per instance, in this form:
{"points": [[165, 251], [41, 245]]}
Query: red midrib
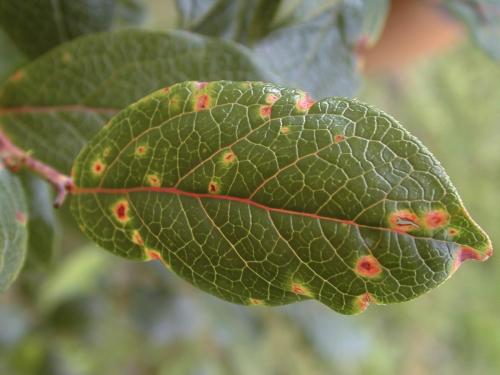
{"points": [[172, 190]]}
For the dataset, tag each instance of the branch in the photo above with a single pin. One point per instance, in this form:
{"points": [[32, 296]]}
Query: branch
{"points": [[15, 158]]}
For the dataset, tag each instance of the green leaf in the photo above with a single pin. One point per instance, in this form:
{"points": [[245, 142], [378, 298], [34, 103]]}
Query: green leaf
{"points": [[258, 195], [37, 26], [13, 233], [101, 74], [43, 228], [483, 19], [240, 20], [10, 57]]}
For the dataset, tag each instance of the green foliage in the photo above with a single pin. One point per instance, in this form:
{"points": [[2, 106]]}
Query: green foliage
{"points": [[37, 26], [13, 231], [102, 74], [258, 195]]}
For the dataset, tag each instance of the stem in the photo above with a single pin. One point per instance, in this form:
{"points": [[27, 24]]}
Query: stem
{"points": [[15, 158]]}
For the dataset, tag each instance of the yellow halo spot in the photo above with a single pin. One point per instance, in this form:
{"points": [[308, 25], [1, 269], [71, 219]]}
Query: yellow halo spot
{"points": [[98, 167], [141, 150], [228, 158], [137, 238], [120, 211], [256, 302], [154, 180], [285, 130], [301, 289]]}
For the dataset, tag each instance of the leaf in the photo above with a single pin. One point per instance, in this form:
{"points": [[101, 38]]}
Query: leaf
{"points": [[43, 227], [101, 74], [10, 58], [13, 234], [242, 20], [258, 195], [483, 19], [317, 50], [37, 26]]}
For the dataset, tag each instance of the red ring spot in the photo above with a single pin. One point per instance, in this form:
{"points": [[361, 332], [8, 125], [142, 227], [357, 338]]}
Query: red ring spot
{"points": [[436, 219], [368, 266], [403, 221], [339, 138], [154, 255], [98, 167], [265, 111], [141, 150], [228, 157], [121, 211], [202, 102], [154, 180], [271, 98]]}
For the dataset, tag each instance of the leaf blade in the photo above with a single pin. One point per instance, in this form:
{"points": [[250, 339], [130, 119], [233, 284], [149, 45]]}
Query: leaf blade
{"points": [[13, 232], [259, 195]]}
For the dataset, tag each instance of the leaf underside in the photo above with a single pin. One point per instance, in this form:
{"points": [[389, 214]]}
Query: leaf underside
{"points": [[13, 233], [260, 196]]}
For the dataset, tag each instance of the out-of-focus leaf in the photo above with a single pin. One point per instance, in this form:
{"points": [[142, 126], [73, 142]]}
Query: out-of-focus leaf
{"points": [[42, 223], [260, 196], [13, 232], [483, 19], [57, 102], [241, 20], [10, 56], [317, 51], [129, 12], [39, 25]]}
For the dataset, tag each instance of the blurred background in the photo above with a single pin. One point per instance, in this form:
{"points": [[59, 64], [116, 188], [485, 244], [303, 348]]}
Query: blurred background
{"points": [[90, 312]]}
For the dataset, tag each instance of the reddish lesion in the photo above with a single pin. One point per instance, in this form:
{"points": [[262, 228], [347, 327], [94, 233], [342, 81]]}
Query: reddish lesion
{"points": [[403, 221], [121, 211], [265, 111], [98, 167], [364, 300], [21, 217], [305, 102], [213, 187], [300, 289], [202, 102], [368, 266], [436, 219]]}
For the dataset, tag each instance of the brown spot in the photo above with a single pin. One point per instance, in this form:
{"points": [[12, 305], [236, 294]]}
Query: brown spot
{"points": [[17, 76], [98, 167], [21, 217], [228, 157], [338, 138], [153, 254], [368, 266], [271, 98], [202, 102], [265, 110], [137, 238], [435, 219], [301, 289], [285, 130], [213, 187], [166, 89], [256, 302], [452, 231], [141, 150], [120, 211], [201, 85], [304, 103], [403, 221], [154, 180]]}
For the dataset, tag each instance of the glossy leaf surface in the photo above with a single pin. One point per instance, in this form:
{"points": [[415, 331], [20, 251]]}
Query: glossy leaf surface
{"points": [[55, 104], [259, 195], [13, 233]]}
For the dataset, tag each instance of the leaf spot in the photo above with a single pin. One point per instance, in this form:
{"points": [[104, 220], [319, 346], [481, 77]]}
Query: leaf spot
{"points": [[285, 130], [265, 110], [98, 167], [202, 102], [141, 150], [435, 219], [137, 238], [256, 302], [200, 85], [403, 221], [368, 266], [304, 103], [339, 138], [271, 98], [228, 158], [67, 57], [17, 76], [301, 289], [453, 232], [364, 300], [213, 187], [154, 180], [120, 211]]}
